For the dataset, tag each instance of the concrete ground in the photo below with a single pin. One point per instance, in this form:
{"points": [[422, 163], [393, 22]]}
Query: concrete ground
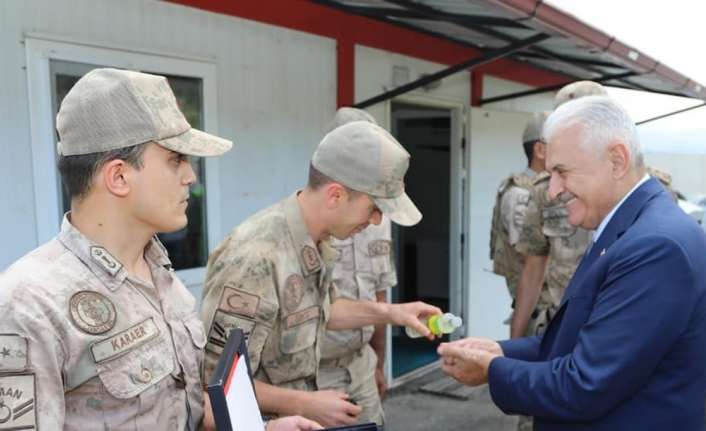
{"points": [[407, 409]]}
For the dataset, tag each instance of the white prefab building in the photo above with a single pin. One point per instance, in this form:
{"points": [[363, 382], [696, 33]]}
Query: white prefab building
{"points": [[271, 78]]}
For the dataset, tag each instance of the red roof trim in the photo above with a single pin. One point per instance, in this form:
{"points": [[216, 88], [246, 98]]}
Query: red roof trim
{"points": [[347, 28]]}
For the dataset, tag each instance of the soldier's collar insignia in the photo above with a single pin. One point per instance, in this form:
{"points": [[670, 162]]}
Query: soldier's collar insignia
{"points": [[106, 260], [92, 312], [310, 259]]}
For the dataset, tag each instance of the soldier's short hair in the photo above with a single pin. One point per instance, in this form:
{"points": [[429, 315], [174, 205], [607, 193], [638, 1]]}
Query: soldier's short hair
{"points": [[77, 171], [318, 180], [529, 150]]}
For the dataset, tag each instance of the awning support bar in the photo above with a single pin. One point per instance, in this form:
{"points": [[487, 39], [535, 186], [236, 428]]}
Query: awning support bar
{"points": [[659, 117], [551, 88], [486, 57]]}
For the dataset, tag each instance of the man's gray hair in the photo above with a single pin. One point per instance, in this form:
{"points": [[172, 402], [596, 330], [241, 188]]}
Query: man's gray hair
{"points": [[602, 121]]}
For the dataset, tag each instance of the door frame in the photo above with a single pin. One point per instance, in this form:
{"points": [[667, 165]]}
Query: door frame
{"points": [[458, 216]]}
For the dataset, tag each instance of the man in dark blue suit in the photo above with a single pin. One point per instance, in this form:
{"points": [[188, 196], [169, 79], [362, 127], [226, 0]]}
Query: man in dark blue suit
{"points": [[627, 348]]}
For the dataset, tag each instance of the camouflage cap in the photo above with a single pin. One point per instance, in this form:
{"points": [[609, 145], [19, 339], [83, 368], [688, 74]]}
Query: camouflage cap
{"points": [[578, 89], [533, 129], [366, 158], [109, 109], [346, 115]]}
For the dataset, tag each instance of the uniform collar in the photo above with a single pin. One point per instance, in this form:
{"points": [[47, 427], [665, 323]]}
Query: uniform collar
{"points": [[98, 259], [309, 258]]}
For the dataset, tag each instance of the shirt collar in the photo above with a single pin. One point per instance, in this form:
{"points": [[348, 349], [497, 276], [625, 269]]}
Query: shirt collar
{"points": [[309, 258], [530, 172], [98, 259], [606, 219]]}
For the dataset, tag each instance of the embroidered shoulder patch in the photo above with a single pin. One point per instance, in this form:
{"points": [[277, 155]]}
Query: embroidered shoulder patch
{"points": [[17, 402], [238, 301], [13, 353], [220, 329], [92, 312]]}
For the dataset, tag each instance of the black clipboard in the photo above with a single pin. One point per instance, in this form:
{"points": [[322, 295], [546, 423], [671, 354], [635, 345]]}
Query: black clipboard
{"points": [[234, 353]]}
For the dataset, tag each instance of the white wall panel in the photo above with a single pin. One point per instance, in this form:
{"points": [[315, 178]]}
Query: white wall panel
{"points": [[493, 87], [374, 75], [276, 93], [496, 151]]}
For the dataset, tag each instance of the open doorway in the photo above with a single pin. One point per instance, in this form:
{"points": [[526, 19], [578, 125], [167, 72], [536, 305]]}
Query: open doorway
{"points": [[423, 251]]}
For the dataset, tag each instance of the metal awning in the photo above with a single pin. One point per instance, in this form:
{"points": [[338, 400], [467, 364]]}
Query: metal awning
{"points": [[497, 28]]}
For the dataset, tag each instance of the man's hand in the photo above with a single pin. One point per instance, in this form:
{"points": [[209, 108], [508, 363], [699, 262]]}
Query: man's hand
{"points": [[208, 423], [409, 313], [478, 343], [330, 408], [467, 363], [292, 423], [380, 381]]}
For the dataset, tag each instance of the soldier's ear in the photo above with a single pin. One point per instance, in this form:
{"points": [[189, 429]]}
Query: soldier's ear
{"points": [[114, 177], [540, 150], [334, 194]]}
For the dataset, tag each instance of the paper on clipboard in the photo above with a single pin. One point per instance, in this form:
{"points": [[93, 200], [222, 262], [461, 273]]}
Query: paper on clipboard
{"points": [[240, 397]]}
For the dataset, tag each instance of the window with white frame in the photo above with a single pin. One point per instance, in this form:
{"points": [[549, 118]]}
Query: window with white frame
{"points": [[54, 67]]}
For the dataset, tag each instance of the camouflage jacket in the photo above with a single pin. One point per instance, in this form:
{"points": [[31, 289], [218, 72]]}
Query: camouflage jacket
{"points": [[508, 219], [270, 279], [87, 345]]}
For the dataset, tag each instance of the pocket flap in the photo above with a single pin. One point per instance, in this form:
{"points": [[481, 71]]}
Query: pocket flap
{"points": [[195, 328], [132, 373], [300, 330]]}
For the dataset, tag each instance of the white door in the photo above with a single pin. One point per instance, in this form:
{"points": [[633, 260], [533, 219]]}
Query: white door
{"points": [[495, 144]]}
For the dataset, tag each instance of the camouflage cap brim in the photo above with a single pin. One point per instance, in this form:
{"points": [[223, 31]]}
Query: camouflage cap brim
{"points": [[400, 210], [194, 142]]}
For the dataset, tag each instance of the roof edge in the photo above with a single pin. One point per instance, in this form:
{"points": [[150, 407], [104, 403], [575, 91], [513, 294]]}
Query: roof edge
{"points": [[565, 24]]}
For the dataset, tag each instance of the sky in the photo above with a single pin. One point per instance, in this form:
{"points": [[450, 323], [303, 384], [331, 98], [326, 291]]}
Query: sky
{"points": [[672, 32]]}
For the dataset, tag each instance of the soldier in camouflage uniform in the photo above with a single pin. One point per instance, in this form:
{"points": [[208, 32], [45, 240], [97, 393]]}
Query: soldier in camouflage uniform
{"points": [[271, 276], [353, 361], [97, 331], [511, 206]]}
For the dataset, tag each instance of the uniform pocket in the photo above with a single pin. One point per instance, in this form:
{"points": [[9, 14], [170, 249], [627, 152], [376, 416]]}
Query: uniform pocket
{"points": [[137, 370], [195, 329], [297, 359]]}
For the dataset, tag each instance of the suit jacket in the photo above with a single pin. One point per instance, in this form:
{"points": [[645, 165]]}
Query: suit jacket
{"points": [[627, 348]]}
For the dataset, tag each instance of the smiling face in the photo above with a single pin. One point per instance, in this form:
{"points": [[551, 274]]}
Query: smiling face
{"points": [[580, 177], [354, 213], [159, 191]]}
